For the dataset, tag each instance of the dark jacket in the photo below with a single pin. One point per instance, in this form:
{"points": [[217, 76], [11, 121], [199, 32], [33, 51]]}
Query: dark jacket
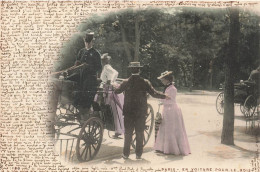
{"points": [[88, 76], [136, 89], [92, 58], [255, 76]]}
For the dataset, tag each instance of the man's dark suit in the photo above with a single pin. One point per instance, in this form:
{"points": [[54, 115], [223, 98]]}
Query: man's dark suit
{"points": [[255, 77], [88, 76], [135, 109]]}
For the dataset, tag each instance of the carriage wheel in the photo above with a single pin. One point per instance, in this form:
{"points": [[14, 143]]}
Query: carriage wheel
{"points": [[220, 103], [149, 122], [242, 109], [250, 106], [89, 139]]}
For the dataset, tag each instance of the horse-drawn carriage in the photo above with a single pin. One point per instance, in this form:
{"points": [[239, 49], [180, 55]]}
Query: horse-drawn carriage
{"points": [[245, 95], [87, 132]]}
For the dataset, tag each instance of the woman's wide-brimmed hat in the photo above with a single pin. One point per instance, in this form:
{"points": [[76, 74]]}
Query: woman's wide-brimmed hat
{"points": [[135, 65], [105, 56], [164, 74]]}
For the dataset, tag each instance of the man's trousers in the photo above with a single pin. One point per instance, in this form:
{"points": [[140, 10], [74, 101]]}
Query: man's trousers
{"points": [[132, 123]]}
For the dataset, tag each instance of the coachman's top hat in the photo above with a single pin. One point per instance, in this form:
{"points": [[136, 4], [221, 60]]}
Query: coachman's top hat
{"points": [[89, 36], [164, 74], [135, 65]]}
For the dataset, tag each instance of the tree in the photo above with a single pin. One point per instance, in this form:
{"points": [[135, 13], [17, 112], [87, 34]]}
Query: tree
{"points": [[227, 136], [190, 42]]}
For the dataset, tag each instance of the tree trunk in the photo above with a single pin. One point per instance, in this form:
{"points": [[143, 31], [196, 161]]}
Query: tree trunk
{"points": [[184, 74], [227, 136], [125, 43], [137, 39], [210, 80], [210, 74], [255, 48], [191, 83], [196, 46]]}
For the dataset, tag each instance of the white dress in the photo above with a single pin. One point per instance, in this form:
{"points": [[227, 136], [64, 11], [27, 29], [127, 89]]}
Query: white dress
{"points": [[116, 101], [108, 73]]}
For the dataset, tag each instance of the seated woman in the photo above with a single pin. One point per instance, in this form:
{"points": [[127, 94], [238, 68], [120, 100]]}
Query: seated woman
{"points": [[108, 77]]}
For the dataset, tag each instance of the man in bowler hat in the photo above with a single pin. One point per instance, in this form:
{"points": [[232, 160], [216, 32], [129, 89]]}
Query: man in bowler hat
{"points": [[135, 107]]}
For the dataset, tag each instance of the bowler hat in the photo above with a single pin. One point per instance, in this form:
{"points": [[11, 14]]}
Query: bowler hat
{"points": [[135, 65], [164, 74]]}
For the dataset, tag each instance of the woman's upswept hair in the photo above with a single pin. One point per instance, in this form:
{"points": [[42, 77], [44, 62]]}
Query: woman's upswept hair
{"points": [[169, 78]]}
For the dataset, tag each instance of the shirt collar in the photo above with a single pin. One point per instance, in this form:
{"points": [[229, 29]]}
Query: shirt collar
{"points": [[88, 48]]}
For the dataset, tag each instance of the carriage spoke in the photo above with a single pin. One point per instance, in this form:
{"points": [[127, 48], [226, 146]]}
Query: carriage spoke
{"points": [[83, 151], [91, 127], [86, 154], [146, 132], [94, 147], [148, 120], [96, 134], [144, 139], [84, 131], [94, 129], [90, 151], [85, 134], [134, 139]]}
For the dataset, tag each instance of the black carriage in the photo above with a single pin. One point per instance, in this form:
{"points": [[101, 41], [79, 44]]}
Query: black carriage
{"points": [[244, 95], [87, 132]]}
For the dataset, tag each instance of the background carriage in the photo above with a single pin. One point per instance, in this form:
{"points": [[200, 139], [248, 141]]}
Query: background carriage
{"points": [[245, 95], [88, 133]]}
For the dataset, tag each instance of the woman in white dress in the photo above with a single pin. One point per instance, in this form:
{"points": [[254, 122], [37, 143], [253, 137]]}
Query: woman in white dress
{"points": [[108, 77], [108, 74]]}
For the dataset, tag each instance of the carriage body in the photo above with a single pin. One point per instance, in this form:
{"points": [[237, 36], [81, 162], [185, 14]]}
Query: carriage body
{"points": [[241, 91], [245, 96]]}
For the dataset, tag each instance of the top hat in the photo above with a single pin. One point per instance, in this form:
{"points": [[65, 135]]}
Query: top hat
{"points": [[89, 36], [105, 56], [164, 74], [135, 65], [89, 32]]}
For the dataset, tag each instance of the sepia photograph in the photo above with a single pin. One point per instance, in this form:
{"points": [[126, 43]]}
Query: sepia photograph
{"points": [[130, 86]]}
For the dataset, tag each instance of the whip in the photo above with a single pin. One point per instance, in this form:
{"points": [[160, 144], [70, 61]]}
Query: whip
{"points": [[69, 69]]}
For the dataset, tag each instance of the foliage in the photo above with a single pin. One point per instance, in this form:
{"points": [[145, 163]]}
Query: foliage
{"points": [[191, 42]]}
